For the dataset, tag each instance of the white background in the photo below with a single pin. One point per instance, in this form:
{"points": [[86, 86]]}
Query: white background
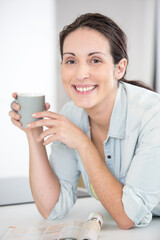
{"points": [[158, 47], [27, 64]]}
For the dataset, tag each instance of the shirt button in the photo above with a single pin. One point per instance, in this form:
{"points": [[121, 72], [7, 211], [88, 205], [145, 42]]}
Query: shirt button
{"points": [[109, 156]]}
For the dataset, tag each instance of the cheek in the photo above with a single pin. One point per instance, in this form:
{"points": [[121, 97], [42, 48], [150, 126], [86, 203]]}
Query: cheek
{"points": [[66, 74], [66, 80], [62, 72]]}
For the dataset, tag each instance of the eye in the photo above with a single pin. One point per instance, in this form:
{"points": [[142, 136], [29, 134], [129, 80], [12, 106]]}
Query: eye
{"points": [[95, 60], [70, 62]]}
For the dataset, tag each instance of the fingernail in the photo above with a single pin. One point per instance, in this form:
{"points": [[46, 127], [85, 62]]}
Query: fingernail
{"points": [[34, 114], [28, 125]]}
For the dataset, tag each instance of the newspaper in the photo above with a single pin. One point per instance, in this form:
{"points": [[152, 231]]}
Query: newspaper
{"points": [[70, 230]]}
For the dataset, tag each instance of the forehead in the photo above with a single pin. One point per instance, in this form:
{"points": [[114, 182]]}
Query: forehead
{"points": [[86, 39]]}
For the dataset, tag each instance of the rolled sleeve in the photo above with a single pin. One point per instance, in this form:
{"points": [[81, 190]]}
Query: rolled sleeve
{"points": [[135, 208], [65, 166], [141, 193], [65, 202]]}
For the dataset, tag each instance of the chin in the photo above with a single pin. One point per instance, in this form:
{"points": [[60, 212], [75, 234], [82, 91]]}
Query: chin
{"points": [[84, 105]]}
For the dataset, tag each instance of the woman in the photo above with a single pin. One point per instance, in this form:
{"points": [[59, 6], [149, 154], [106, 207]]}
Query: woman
{"points": [[110, 131]]}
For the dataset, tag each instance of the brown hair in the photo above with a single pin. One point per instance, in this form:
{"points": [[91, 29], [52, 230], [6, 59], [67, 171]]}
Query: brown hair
{"points": [[113, 33]]}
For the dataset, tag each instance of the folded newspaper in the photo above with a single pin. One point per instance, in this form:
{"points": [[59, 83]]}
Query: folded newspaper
{"points": [[70, 230]]}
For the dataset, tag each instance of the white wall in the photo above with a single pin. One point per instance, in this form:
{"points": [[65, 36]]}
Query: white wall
{"points": [[158, 47], [27, 64], [135, 17]]}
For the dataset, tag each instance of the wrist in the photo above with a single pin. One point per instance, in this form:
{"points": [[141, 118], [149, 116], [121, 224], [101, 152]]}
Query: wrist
{"points": [[84, 144], [34, 132]]}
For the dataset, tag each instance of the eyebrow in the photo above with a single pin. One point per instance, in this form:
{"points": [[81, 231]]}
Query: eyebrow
{"points": [[90, 54], [70, 53]]}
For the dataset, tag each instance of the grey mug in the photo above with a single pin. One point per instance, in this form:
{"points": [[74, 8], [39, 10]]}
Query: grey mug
{"points": [[29, 104]]}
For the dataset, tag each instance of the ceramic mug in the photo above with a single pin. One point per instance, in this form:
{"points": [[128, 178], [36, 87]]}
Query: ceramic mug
{"points": [[29, 103]]}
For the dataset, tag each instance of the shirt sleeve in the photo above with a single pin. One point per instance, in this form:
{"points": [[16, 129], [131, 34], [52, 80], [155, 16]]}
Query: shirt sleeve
{"points": [[141, 192], [65, 165]]}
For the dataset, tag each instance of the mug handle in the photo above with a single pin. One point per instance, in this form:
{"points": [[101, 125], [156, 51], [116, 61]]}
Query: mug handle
{"points": [[14, 101]]}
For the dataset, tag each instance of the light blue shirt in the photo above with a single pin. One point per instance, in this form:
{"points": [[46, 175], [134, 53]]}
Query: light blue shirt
{"points": [[132, 154]]}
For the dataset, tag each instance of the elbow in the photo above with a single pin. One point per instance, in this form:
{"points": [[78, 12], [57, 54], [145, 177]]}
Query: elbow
{"points": [[45, 212], [126, 225]]}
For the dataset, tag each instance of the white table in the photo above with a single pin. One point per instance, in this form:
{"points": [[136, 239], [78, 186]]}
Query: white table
{"points": [[28, 215]]}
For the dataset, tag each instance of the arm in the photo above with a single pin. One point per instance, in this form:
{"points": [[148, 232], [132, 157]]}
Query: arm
{"points": [[61, 129], [141, 193], [44, 183], [103, 179]]}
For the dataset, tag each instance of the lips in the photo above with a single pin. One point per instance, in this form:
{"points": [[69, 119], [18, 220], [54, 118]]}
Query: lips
{"points": [[84, 89]]}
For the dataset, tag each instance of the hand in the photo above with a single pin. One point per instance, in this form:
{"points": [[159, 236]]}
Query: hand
{"points": [[15, 117], [59, 128]]}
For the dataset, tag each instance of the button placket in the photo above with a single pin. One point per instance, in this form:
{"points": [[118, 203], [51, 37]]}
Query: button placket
{"points": [[108, 155]]}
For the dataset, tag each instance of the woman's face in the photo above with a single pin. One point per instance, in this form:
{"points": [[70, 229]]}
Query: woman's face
{"points": [[88, 73]]}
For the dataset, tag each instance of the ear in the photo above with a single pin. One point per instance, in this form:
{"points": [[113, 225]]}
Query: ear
{"points": [[120, 68]]}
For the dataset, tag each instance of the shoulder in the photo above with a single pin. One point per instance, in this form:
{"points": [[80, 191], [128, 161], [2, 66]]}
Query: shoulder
{"points": [[143, 106], [141, 97]]}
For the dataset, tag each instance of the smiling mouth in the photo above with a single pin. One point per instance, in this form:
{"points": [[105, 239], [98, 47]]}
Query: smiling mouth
{"points": [[85, 89]]}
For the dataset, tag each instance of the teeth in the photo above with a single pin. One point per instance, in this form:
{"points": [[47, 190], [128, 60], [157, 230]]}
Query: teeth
{"points": [[85, 89]]}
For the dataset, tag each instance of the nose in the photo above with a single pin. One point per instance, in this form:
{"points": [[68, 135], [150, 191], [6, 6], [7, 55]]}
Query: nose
{"points": [[82, 72]]}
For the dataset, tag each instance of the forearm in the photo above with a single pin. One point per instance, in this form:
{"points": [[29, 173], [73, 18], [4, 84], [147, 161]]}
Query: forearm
{"points": [[106, 186], [44, 183]]}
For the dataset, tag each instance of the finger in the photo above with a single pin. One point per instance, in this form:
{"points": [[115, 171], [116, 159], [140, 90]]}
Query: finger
{"points": [[14, 95], [46, 114], [47, 106], [42, 123], [14, 115], [16, 123], [16, 106], [51, 139], [46, 133]]}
